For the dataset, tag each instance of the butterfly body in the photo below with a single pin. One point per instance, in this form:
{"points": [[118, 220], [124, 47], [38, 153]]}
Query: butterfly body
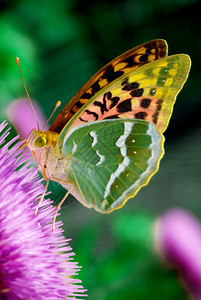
{"points": [[107, 142], [130, 149]]}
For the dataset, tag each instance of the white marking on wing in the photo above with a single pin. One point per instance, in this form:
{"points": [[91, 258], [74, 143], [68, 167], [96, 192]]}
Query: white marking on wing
{"points": [[120, 143], [102, 158], [94, 136], [157, 140], [74, 147]]}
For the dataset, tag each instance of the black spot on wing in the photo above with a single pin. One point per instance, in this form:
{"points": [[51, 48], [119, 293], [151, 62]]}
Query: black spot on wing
{"points": [[114, 100], [95, 88], [137, 93], [124, 106], [92, 113], [130, 86], [109, 95], [112, 117], [144, 57], [86, 95], [155, 117], [145, 102], [79, 104], [129, 61], [157, 50], [159, 104], [158, 109], [141, 115], [125, 81], [152, 44], [151, 48], [102, 105], [83, 120], [110, 74]]}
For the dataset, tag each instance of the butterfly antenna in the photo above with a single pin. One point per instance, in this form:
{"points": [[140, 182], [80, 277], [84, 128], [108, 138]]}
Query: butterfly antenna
{"points": [[58, 103], [29, 99]]}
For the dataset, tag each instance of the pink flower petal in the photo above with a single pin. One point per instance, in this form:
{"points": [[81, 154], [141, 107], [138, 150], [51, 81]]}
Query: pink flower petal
{"points": [[22, 117], [179, 241]]}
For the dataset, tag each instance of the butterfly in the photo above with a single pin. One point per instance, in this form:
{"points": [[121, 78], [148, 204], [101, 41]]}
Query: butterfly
{"points": [[108, 140]]}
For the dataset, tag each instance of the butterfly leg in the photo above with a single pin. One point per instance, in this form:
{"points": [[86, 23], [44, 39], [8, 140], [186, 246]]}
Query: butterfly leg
{"points": [[59, 206], [42, 170], [63, 199], [41, 198], [60, 180]]}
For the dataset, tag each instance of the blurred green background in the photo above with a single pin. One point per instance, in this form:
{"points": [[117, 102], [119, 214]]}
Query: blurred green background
{"points": [[61, 44]]}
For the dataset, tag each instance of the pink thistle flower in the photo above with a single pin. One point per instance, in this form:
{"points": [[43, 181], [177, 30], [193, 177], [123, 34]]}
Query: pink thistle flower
{"points": [[178, 240], [35, 262]]}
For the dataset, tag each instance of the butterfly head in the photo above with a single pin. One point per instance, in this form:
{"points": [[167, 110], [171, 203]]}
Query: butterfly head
{"points": [[37, 142], [40, 139], [41, 143], [43, 146]]}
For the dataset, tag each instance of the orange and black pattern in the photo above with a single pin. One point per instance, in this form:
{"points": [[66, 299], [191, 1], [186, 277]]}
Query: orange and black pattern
{"points": [[130, 60]]}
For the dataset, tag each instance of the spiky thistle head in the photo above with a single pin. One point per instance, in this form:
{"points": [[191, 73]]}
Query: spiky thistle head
{"points": [[35, 262]]}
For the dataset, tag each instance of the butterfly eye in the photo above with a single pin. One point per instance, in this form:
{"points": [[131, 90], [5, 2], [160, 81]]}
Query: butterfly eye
{"points": [[40, 142]]}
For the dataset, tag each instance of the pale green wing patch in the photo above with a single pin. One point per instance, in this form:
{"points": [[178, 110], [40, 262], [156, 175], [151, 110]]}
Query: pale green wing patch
{"points": [[110, 160]]}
